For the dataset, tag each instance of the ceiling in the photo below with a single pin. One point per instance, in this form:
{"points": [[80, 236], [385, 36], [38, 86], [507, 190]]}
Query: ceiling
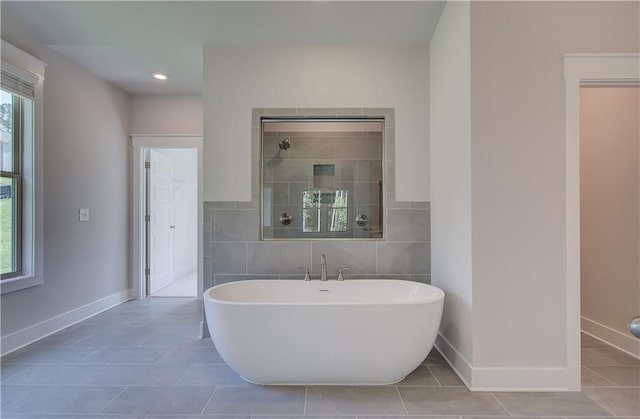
{"points": [[125, 41]]}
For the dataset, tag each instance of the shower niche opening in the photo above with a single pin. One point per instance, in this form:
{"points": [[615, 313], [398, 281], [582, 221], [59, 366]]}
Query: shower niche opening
{"points": [[322, 178]]}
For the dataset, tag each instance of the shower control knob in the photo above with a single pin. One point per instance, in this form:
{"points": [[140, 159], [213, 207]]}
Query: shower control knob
{"points": [[362, 220], [285, 218]]}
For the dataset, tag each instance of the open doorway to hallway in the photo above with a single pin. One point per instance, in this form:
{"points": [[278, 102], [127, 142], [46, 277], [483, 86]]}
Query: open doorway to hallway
{"points": [[610, 220], [171, 218]]}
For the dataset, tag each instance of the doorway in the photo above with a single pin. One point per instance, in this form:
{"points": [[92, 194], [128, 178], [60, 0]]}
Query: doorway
{"points": [[583, 70], [171, 222], [167, 216], [609, 235]]}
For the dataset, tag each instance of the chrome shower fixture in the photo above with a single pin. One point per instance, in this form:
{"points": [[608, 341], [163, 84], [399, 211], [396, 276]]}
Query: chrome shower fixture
{"points": [[284, 144]]}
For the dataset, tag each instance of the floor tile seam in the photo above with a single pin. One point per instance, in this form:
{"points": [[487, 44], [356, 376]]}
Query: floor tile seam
{"points": [[404, 406], [176, 383], [500, 403], [85, 364], [606, 365], [148, 385], [204, 407], [68, 345], [615, 363], [628, 367], [599, 404], [434, 376], [602, 376], [17, 399], [87, 385], [128, 364], [111, 401], [611, 348], [90, 382]]}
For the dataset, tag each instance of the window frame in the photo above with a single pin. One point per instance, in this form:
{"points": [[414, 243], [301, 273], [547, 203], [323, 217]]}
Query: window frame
{"points": [[16, 174], [25, 78]]}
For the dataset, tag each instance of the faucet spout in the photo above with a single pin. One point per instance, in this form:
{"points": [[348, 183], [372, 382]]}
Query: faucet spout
{"points": [[323, 265]]}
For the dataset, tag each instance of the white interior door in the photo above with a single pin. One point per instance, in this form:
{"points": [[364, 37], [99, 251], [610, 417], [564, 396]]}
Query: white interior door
{"points": [[160, 243]]}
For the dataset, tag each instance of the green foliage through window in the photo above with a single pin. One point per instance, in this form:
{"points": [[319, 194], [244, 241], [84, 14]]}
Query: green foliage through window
{"points": [[318, 204]]}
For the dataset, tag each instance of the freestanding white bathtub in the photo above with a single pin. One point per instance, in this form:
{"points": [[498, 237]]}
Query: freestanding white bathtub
{"points": [[312, 332]]}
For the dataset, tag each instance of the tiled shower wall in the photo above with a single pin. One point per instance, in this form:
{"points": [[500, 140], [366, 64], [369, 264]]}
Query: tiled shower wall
{"points": [[356, 158], [233, 250]]}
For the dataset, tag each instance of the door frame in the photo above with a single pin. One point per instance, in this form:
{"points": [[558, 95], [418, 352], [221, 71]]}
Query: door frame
{"points": [[139, 144], [582, 70]]}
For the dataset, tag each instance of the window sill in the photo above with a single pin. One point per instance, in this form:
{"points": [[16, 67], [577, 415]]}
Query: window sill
{"points": [[19, 283]]}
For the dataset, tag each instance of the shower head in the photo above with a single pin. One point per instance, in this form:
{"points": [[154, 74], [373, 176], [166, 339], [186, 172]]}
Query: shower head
{"points": [[284, 144]]}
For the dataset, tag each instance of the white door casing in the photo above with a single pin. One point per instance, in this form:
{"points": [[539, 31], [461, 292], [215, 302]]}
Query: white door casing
{"points": [[160, 207], [582, 69], [139, 143]]}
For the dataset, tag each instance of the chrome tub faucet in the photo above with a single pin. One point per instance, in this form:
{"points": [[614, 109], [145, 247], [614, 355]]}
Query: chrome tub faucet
{"points": [[323, 264]]}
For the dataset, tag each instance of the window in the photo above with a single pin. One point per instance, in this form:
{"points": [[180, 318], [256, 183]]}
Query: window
{"points": [[20, 206], [12, 130], [316, 204]]}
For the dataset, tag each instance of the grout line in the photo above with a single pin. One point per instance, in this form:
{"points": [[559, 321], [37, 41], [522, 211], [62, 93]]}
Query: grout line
{"points": [[501, 404], [88, 381], [110, 401], [28, 393], [599, 375], [209, 400], [404, 406], [599, 404], [183, 374], [376, 262], [90, 353], [611, 348], [614, 362], [434, 376]]}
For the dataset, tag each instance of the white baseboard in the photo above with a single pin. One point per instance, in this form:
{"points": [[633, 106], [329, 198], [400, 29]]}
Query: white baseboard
{"points": [[506, 379], [523, 379], [619, 340], [28, 335], [459, 364]]}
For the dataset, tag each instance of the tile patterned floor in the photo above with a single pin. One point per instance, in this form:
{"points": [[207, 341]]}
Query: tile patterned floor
{"points": [[142, 360]]}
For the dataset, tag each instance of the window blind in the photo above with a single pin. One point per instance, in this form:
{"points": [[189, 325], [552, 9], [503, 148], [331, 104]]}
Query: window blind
{"points": [[18, 81]]}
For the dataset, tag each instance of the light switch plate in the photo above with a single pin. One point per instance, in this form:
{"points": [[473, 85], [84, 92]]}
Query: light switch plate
{"points": [[84, 214]]}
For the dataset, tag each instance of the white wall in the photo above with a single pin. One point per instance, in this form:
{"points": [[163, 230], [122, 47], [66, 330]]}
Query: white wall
{"points": [[450, 144], [240, 78], [610, 212], [86, 164], [166, 115], [184, 209], [518, 170]]}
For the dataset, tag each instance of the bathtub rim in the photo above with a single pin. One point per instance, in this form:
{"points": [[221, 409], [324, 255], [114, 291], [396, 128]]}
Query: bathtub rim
{"points": [[440, 295]]}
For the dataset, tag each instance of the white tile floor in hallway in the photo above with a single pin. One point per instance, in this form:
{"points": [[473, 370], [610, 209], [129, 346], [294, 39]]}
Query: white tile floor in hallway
{"points": [[143, 360], [183, 286]]}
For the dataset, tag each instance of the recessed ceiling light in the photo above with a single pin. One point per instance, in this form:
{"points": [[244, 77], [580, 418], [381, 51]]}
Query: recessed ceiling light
{"points": [[160, 76]]}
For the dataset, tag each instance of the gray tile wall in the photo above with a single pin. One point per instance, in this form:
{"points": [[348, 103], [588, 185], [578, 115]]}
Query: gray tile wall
{"points": [[287, 174], [233, 250]]}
